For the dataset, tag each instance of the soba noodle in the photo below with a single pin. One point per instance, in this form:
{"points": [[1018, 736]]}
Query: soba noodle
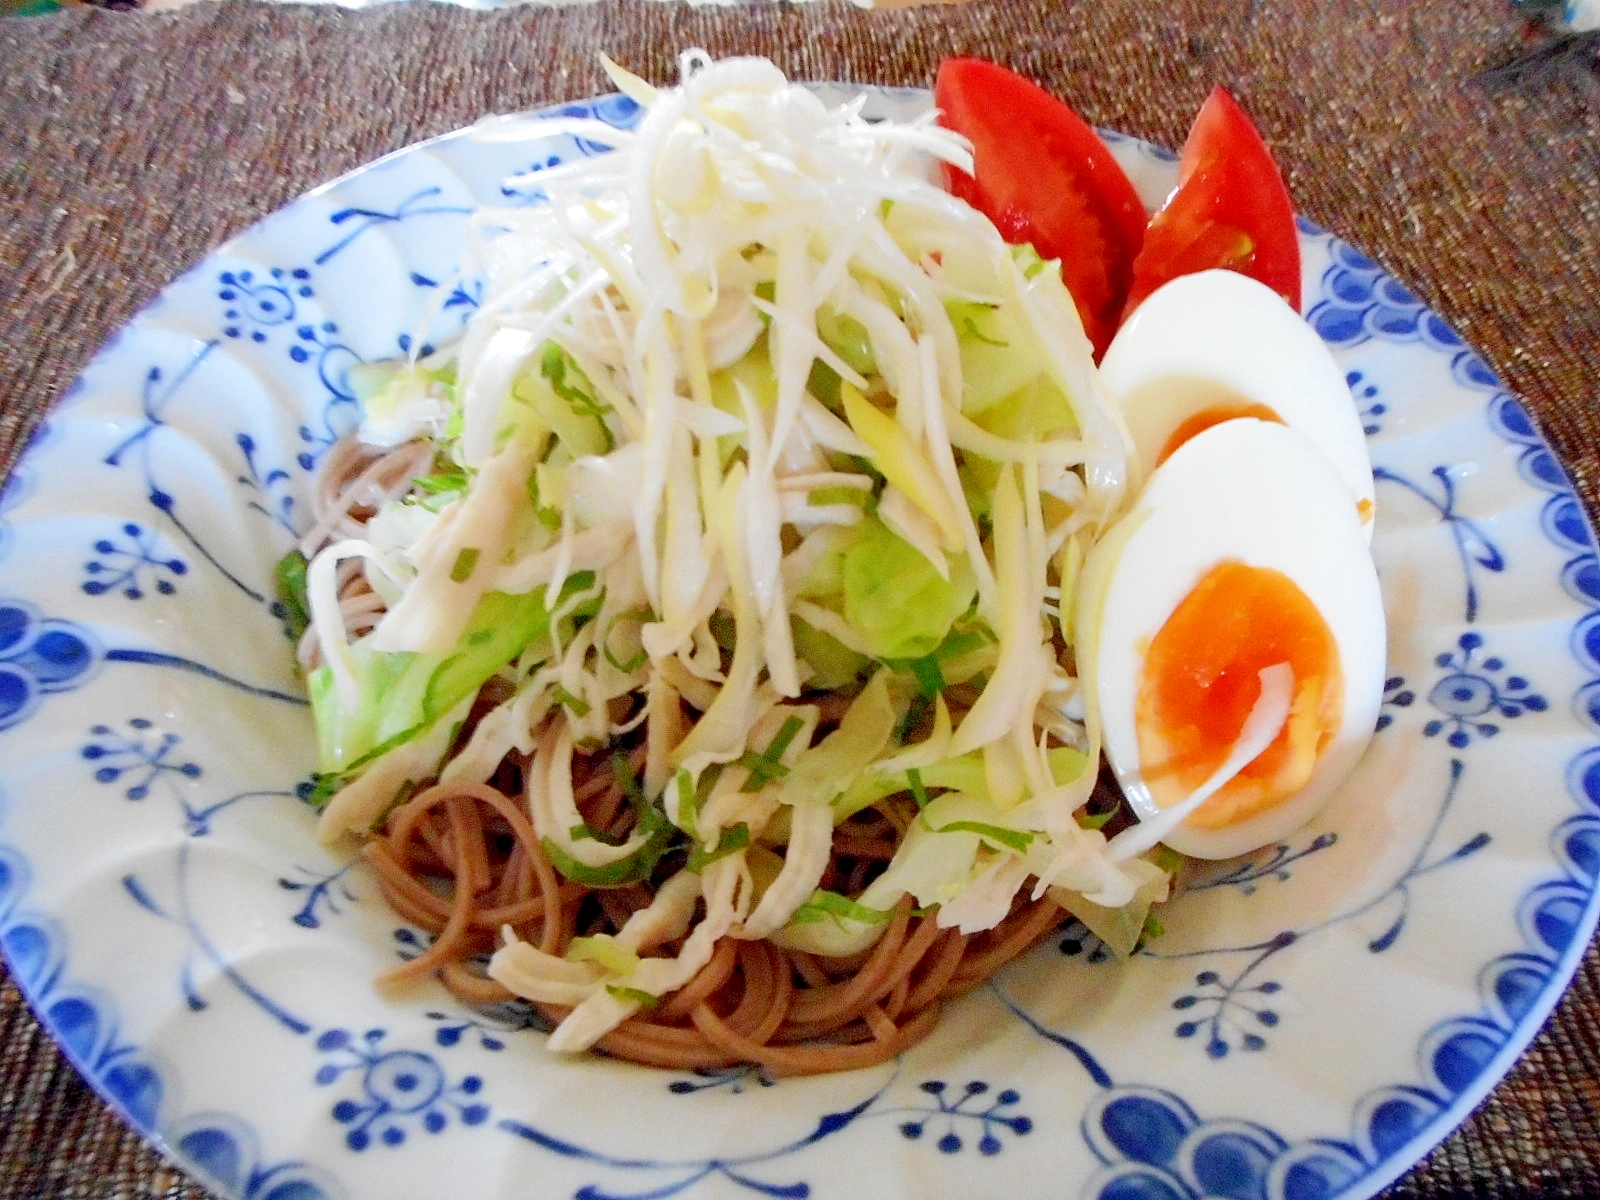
{"points": [[462, 862]]}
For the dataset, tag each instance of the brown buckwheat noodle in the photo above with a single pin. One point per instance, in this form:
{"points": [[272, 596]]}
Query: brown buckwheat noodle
{"points": [[463, 862]]}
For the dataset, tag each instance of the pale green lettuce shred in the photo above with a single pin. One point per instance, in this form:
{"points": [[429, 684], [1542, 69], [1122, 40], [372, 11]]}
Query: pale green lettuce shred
{"points": [[1119, 928], [895, 599]]}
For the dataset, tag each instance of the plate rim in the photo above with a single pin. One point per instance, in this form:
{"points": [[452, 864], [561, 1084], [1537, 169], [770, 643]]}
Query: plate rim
{"points": [[1390, 1167]]}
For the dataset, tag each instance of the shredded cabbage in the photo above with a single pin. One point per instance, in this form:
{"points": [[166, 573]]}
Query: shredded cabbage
{"points": [[772, 416]]}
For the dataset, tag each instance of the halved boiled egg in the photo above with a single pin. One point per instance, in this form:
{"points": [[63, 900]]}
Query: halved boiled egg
{"points": [[1242, 553], [1217, 344]]}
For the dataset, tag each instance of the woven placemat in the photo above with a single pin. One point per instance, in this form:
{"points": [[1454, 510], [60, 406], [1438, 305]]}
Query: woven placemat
{"points": [[131, 144]]}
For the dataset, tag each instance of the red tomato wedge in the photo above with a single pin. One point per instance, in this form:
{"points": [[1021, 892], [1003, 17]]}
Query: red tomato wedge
{"points": [[1230, 210], [1043, 177]]}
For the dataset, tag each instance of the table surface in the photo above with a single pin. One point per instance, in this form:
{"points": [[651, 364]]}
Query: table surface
{"points": [[133, 143]]}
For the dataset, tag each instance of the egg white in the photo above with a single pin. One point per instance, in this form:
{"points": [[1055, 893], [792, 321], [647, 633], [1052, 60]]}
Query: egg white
{"points": [[1259, 493], [1219, 337]]}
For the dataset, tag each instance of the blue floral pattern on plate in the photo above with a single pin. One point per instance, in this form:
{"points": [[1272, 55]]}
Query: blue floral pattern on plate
{"points": [[154, 751]]}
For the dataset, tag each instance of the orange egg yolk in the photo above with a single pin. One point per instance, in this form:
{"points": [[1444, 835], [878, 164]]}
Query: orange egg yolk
{"points": [[1205, 419], [1201, 678]]}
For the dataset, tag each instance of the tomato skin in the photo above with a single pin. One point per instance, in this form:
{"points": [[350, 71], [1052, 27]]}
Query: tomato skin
{"points": [[1230, 210], [1043, 176]]}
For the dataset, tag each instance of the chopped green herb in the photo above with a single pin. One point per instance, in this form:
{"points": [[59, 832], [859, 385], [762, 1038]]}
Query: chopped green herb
{"points": [[289, 574], [441, 481], [548, 516], [323, 786], [622, 772], [569, 382], [584, 609], [768, 766], [918, 792], [1149, 932], [642, 999], [1014, 839], [634, 868], [1095, 820], [584, 832], [859, 497], [972, 331], [1165, 857], [823, 383], [930, 678], [687, 806], [722, 628], [691, 797], [466, 563], [841, 908], [730, 840], [639, 613], [576, 705]]}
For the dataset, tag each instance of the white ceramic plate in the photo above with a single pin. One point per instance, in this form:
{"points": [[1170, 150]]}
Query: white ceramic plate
{"points": [[1315, 1019]]}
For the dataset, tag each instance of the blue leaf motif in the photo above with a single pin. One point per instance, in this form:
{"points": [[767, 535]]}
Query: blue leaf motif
{"points": [[141, 754], [970, 1109], [127, 567]]}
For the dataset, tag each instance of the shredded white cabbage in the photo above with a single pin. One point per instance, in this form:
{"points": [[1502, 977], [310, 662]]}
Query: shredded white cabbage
{"points": [[708, 372]]}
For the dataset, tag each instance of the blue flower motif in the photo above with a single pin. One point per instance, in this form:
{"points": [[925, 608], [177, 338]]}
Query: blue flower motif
{"points": [[1472, 690], [1222, 996], [409, 943], [970, 1107], [123, 567], [256, 305], [38, 656], [142, 752], [400, 1089]]}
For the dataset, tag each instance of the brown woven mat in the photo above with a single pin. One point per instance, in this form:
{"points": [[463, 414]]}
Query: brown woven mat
{"points": [[132, 144]]}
